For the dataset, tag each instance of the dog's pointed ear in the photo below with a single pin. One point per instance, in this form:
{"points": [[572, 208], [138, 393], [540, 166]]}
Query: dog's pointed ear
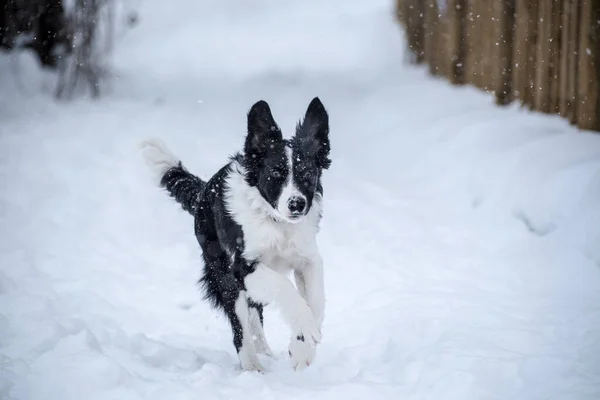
{"points": [[313, 132], [262, 129]]}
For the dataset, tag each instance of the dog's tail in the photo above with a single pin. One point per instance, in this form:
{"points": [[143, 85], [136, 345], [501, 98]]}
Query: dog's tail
{"points": [[172, 175]]}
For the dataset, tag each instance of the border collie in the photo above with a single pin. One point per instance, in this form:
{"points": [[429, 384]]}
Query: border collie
{"points": [[256, 221]]}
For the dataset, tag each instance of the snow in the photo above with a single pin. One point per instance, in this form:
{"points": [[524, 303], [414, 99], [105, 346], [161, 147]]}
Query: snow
{"points": [[461, 240]]}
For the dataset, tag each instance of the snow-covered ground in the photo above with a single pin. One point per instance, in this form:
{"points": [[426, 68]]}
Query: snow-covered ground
{"points": [[461, 240]]}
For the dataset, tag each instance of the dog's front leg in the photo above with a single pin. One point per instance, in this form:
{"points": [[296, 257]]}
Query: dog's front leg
{"points": [[267, 286], [310, 282]]}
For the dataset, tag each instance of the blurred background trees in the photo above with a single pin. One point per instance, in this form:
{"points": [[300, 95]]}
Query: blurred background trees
{"points": [[71, 37]]}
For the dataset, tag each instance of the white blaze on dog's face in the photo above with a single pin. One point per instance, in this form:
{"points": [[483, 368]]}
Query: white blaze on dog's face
{"points": [[292, 204], [287, 172]]}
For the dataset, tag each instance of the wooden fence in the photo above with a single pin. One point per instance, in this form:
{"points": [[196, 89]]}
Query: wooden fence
{"points": [[542, 53]]}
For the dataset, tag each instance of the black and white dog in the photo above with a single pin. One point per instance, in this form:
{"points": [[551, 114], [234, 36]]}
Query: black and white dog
{"points": [[256, 220]]}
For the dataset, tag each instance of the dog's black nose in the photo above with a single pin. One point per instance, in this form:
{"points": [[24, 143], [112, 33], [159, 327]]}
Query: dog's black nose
{"points": [[296, 205]]}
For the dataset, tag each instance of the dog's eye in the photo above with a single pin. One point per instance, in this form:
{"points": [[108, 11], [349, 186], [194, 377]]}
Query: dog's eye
{"points": [[307, 175], [276, 174]]}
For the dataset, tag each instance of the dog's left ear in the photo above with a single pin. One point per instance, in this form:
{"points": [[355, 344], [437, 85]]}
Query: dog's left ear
{"points": [[313, 133]]}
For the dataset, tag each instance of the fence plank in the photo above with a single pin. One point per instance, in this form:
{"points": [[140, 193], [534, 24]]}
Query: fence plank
{"points": [[457, 14], [542, 71], [566, 46], [532, 26], [486, 23], [507, 28], [595, 46], [574, 60], [431, 36], [519, 68], [473, 32], [555, 36], [443, 39], [589, 56], [411, 14]]}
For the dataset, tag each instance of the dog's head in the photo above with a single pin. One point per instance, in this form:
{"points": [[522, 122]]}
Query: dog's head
{"points": [[287, 173]]}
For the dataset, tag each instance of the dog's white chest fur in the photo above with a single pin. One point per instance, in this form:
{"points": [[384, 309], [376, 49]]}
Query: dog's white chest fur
{"points": [[279, 245]]}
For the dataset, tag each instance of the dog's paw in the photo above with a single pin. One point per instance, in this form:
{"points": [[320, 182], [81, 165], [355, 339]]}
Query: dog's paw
{"points": [[249, 361], [252, 365], [302, 353], [307, 327]]}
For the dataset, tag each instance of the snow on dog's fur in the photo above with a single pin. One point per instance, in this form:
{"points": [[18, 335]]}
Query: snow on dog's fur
{"points": [[256, 220]]}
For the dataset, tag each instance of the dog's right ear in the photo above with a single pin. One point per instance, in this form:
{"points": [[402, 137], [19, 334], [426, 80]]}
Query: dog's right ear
{"points": [[262, 130]]}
